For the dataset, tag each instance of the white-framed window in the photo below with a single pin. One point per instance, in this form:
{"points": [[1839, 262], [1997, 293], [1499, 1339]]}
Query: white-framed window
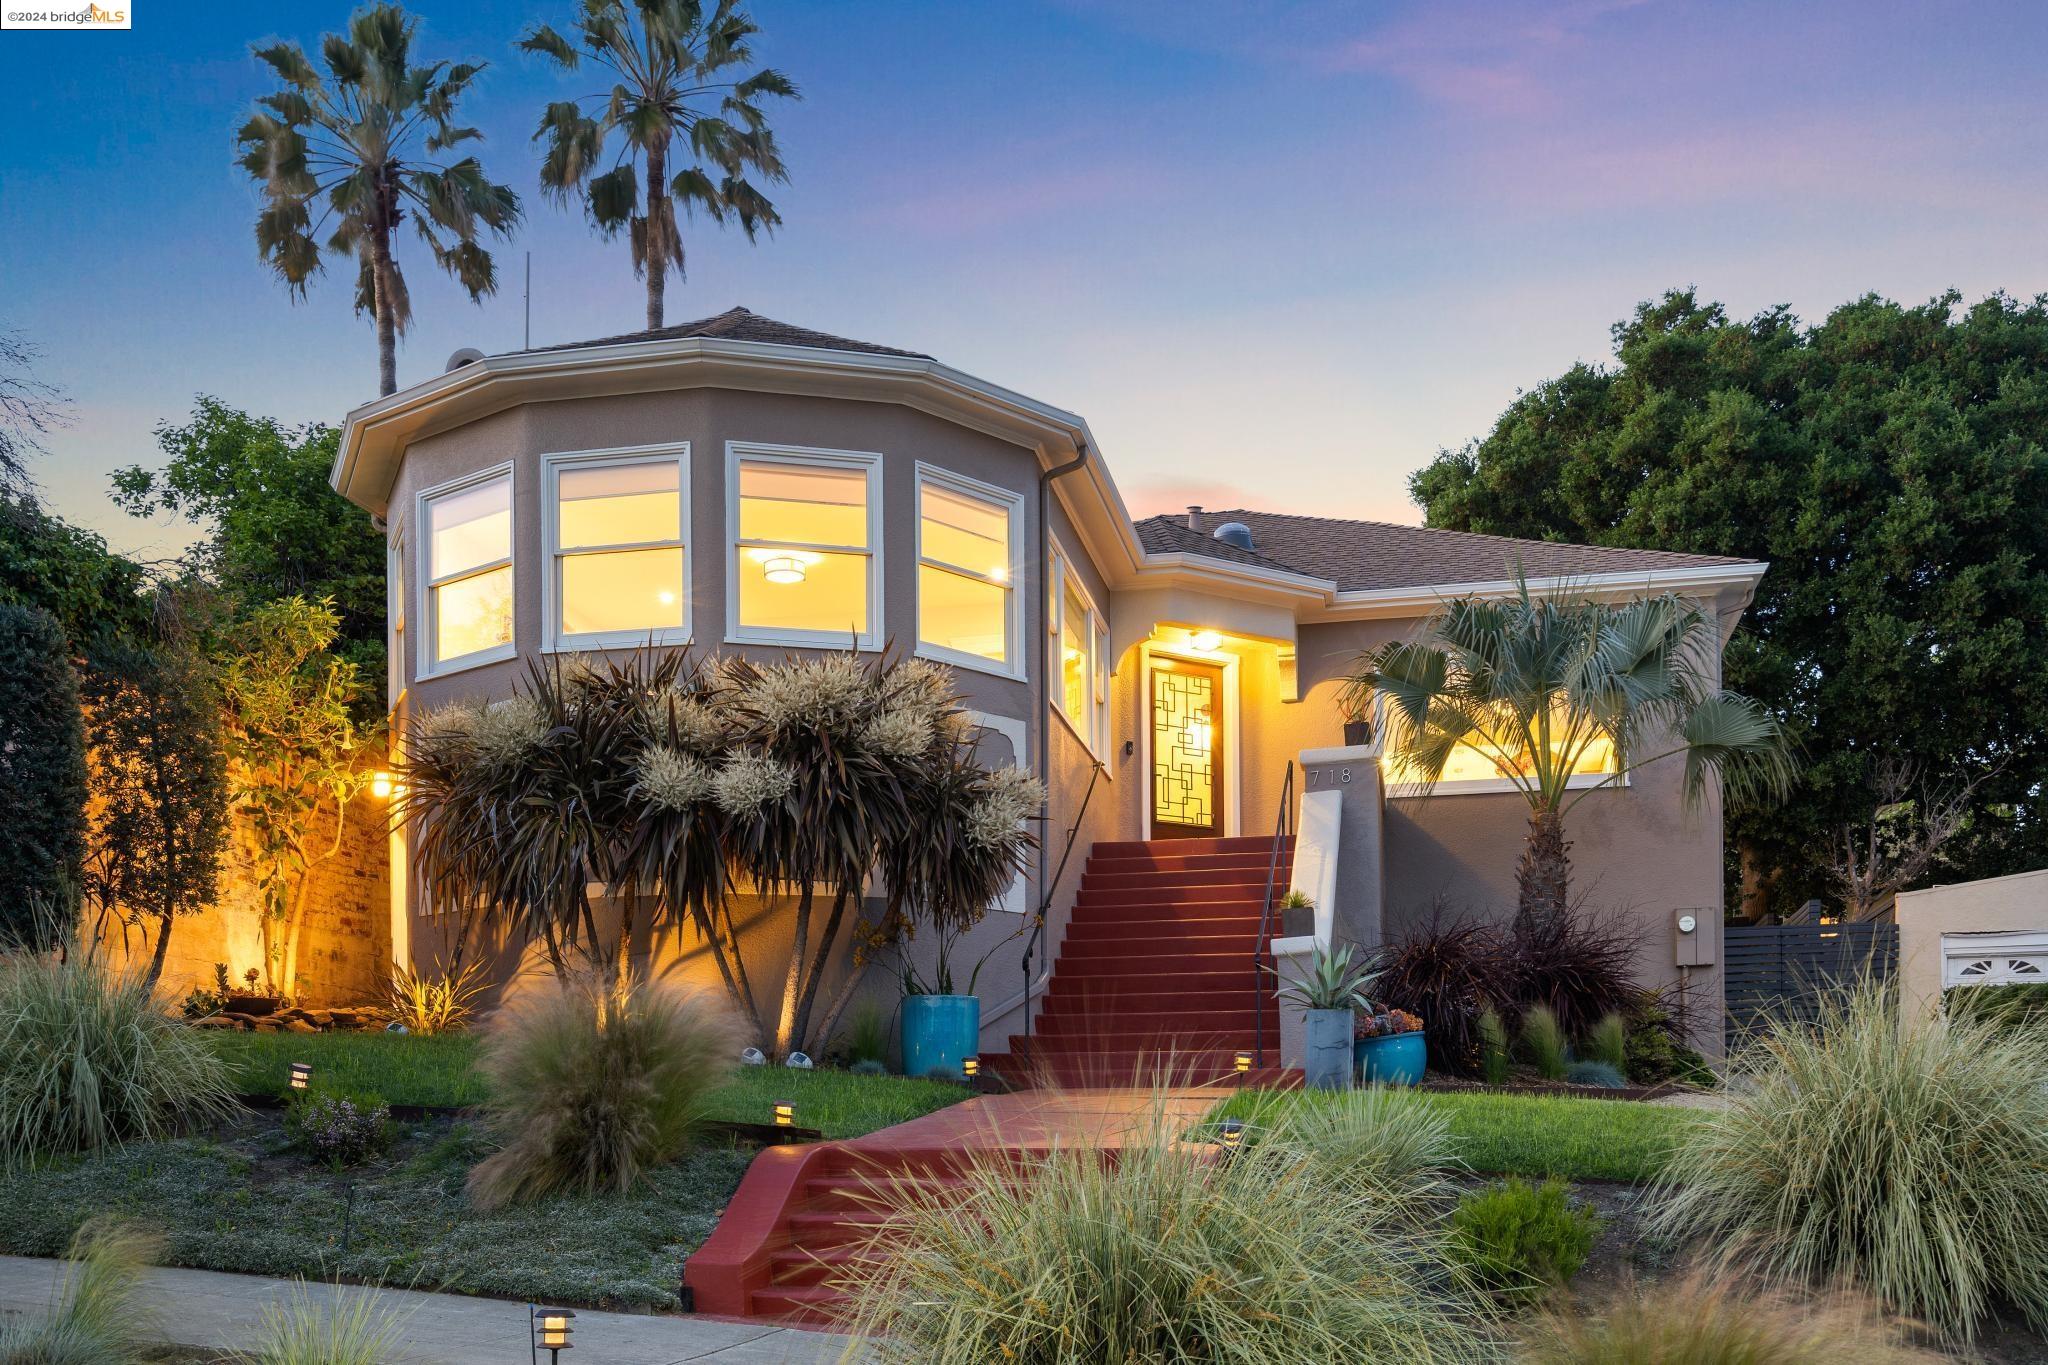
{"points": [[1080, 642], [969, 542], [396, 580], [805, 534], [617, 569], [1471, 770], [466, 590]]}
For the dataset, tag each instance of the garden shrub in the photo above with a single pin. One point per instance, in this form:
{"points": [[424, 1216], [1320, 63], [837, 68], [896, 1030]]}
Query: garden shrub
{"points": [[1607, 1041], [1443, 969], [1543, 1043], [1580, 966], [351, 1327], [435, 1002], [867, 1034], [90, 1056], [1375, 1133], [1655, 1051], [1493, 1047], [42, 781], [591, 1084], [1714, 1320], [1595, 1073], [1164, 1254], [2016, 1005], [97, 1318], [1520, 1240], [1912, 1163], [338, 1130]]}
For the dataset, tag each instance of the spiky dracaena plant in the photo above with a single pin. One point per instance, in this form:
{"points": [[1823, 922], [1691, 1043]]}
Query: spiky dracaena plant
{"points": [[359, 147], [1547, 688]]}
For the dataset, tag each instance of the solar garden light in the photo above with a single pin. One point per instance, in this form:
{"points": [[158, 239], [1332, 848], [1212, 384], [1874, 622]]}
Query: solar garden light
{"points": [[785, 1114], [302, 1075], [1244, 1064], [970, 1067], [1230, 1133], [550, 1331]]}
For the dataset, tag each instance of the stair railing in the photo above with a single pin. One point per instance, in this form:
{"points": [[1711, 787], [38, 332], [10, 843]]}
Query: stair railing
{"points": [[1037, 939], [1263, 965]]}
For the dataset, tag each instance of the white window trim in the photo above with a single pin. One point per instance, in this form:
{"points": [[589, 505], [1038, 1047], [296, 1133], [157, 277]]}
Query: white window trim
{"points": [[399, 621], [1410, 790], [870, 464], [1019, 631], [1092, 730], [554, 641], [421, 621]]}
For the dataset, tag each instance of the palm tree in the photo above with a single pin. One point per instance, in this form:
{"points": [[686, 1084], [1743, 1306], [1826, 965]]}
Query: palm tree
{"points": [[1548, 688], [360, 142], [670, 102]]}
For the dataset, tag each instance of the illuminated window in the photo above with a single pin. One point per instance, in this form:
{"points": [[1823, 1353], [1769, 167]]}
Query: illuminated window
{"points": [[1081, 642], [396, 580], [618, 572], [966, 602], [469, 571], [804, 548], [1472, 766]]}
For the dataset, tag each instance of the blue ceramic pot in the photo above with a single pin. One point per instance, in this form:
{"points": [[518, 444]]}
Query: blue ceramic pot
{"points": [[939, 1032], [1394, 1059]]}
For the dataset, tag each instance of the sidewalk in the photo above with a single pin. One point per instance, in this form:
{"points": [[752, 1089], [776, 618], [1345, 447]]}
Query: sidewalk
{"points": [[204, 1308]]}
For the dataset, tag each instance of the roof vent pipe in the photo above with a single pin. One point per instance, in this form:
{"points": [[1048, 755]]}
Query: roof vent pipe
{"points": [[1235, 533], [1195, 517]]}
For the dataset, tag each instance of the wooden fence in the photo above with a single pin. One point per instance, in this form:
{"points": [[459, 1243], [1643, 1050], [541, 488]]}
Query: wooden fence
{"points": [[1784, 971]]}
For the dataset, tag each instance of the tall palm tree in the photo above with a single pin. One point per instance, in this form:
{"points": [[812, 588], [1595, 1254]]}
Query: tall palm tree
{"points": [[360, 143], [1547, 688], [689, 131]]}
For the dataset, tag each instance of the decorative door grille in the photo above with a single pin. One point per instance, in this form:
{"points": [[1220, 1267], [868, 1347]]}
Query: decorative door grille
{"points": [[1186, 770]]}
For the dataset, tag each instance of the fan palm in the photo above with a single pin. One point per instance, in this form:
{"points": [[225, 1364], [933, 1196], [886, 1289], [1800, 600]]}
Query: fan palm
{"points": [[690, 128], [1547, 688], [360, 144]]}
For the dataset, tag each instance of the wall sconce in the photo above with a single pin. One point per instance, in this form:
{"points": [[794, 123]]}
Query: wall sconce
{"points": [[551, 1329], [302, 1075], [785, 1114], [783, 569], [970, 1067], [381, 785], [1230, 1134], [1205, 640]]}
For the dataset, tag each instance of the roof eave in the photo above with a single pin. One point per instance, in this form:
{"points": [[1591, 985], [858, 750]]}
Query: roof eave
{"points": [[1361, 604]]}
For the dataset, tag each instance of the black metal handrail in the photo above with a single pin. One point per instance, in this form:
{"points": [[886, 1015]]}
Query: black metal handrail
{"points": [[1262, 950], [1031, 944]]}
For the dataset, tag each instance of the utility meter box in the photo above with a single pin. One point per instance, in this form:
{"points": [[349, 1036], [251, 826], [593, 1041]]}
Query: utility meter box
{"points": [[1691, 942]]}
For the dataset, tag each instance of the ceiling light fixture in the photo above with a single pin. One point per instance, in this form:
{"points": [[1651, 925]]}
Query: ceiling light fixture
{"points": [[783, 569], [1205, 639]]}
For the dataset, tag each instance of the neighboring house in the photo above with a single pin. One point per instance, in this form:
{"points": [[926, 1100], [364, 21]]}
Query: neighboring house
{"points": [[739, 484]]}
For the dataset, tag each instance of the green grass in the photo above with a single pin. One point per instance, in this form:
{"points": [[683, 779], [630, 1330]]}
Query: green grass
{"points": [[441, 1070], [1531, 1135]]}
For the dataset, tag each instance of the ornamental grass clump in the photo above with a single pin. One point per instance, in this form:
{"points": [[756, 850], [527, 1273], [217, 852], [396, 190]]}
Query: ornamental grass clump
{"points": [[1369, 1134], [591, 1084], [351, 1327], [97, 1318], [1717, 1320], [1911, 1163], [90, 1057], [1168, 1252]]}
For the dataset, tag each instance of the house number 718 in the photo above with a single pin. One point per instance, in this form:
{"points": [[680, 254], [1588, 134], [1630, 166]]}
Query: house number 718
{"points": [[1318, 777]]}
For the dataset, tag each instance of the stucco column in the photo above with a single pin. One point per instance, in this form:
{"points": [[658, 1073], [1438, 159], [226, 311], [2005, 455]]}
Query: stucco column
{"points": [[1339, 862]]}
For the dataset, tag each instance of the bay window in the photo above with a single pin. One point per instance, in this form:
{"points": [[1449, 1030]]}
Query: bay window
{"points": [[469, 591], [618, 570], [966, 566], [805, 547]]}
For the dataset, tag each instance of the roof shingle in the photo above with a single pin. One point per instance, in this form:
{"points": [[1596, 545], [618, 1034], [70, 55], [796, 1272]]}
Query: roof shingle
{"points": [[740, 324], [1364, 555]]}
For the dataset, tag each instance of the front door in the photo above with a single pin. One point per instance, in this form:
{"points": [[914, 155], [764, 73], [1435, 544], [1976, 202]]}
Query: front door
{"points": [[1187, 749]]}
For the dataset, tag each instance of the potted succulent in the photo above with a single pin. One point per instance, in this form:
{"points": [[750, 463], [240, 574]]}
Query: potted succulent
{"points": [[1390, 1047], [1330, 995], [1297, 913], [1354, 703], [940, 1028]]}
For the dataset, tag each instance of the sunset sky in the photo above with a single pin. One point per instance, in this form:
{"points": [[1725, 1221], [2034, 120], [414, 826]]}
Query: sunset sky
{"points": [[1276, 253]]}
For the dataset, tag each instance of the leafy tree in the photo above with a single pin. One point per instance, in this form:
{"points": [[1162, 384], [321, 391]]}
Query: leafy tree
{"points": [[360, 144], [68, 572], [675, 98], [295, 756], [275, 526], [29, 408], [158, 785], [42, 780], [1541, 687], [1891, 464]]}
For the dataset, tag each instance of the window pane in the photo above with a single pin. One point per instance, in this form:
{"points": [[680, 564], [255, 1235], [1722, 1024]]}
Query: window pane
{"points": [[473, 614], [1075, 665], [804, 506], [625, 590], [966, 531], [964, 614], [620, 505], [807, 591], [470, 528]]}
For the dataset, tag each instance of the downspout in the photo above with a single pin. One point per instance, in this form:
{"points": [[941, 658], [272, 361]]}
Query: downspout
{"points": [[1044, 701]]}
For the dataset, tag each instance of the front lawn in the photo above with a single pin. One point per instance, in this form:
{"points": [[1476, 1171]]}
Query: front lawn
{"points": [[1531, 1135], [441, 1071]]}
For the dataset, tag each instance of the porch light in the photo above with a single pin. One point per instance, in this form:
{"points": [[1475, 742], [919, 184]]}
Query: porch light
{"points": [[1205, 640], [970, 1067], [783, 569], [1230, 1134], [551, 1330], [785, 1114], [302, 1075], [381, 785]]}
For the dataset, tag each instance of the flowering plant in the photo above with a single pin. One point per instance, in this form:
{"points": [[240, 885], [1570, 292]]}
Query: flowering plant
{"points": [[338, 1130], [1386, 1023]]}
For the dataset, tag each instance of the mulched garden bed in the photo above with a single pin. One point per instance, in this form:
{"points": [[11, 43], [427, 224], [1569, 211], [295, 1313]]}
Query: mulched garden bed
{"points": [[1438, 1081]]}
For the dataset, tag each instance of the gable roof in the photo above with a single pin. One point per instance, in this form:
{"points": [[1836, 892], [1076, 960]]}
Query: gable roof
{"points": [[1361, 556], [738, 324]]}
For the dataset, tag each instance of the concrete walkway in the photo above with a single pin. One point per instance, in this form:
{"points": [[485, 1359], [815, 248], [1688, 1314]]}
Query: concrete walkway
{"points": [[207, 1309]]}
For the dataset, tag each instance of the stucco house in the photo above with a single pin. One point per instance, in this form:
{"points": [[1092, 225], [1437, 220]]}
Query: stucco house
{"points": [[738, 484]]}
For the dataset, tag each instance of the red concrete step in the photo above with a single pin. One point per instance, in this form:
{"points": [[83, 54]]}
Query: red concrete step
{"points": [[1153, 967], [1097, 879], [1166, 912], [1152, 926], [1108, 1002], [1140, 949], [1172, 895], [806, 1303], [1236, 843], [1176, 864], [1158, 1024]]}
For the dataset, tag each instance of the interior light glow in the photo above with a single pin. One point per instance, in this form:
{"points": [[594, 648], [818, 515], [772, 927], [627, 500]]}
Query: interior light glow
{"points": [[1205, 639]]}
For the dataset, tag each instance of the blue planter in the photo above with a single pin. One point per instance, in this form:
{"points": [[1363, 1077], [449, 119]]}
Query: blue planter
{"points": [[1396, 1059], [939, 1032]]}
